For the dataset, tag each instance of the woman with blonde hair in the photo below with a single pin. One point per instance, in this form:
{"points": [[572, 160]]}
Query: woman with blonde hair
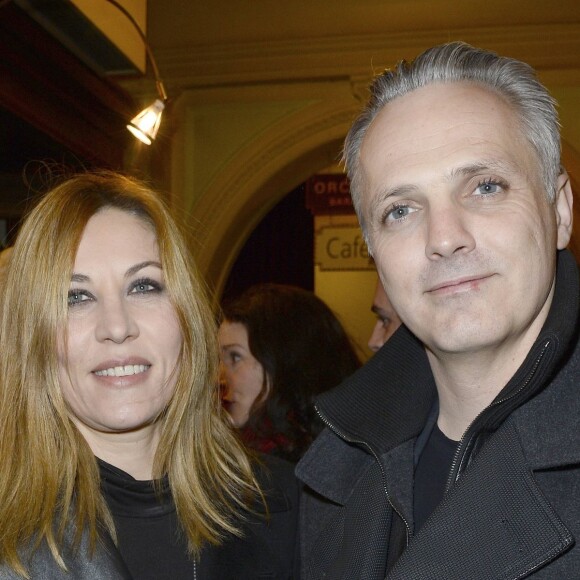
{"points": [[117, 461]]}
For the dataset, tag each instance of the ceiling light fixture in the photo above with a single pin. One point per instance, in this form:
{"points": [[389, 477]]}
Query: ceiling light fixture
{"points": [[145, 125]]}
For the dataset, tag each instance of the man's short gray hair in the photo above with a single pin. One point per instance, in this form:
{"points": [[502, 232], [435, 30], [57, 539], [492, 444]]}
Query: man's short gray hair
{"points": [[512, 79]]}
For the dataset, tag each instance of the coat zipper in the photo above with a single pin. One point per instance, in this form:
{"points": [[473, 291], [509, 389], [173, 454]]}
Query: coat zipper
{"points": [[376, 457], [451, 480]]}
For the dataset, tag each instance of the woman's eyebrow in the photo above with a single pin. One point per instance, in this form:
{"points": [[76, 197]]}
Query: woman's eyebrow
{"points": [[231, 345], [130, 272], [134, 269]]}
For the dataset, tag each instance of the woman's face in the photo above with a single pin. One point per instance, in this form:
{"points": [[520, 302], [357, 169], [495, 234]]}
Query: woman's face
{"points": [[117, 373], [242, 374]]}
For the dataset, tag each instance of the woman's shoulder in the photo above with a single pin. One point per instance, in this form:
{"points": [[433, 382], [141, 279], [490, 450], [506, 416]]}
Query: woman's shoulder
{"points": [[268, 545], [278, 482], [103, 562]]}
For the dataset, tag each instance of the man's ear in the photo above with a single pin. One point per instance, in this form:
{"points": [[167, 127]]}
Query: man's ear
{"points": [[563, 208]]}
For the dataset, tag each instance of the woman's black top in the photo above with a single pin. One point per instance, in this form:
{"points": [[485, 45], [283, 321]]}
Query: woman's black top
{"points": [[153, 546], [148, 533]]}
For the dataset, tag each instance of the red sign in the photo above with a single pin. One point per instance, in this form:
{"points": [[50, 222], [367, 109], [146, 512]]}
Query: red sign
{"points": [[329, 194]]}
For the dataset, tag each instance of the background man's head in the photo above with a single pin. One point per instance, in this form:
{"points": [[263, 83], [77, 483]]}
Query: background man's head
{"points": [[387, 319]]}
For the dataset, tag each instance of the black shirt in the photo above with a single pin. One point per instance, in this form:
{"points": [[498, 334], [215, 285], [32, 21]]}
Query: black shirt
{"points": [[431, 475], [149, 538], [153, 546]]}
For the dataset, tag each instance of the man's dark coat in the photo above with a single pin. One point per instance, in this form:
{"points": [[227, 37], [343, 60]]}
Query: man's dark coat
{"points": [[512, 509]]}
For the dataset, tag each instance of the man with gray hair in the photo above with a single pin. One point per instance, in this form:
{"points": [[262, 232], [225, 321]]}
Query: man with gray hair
{"points": [[454, 453]]}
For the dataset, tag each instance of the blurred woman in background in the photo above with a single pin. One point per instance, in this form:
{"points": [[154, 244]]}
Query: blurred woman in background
{"points": [[117, 460], [280, 347]]}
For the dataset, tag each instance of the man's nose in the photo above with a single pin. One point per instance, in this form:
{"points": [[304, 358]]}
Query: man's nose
{"points": [[377, 337], [448, 232]]}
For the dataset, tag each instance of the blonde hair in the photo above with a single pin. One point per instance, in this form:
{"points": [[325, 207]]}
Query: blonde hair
{"points": [[5, 255], [49, 479]]}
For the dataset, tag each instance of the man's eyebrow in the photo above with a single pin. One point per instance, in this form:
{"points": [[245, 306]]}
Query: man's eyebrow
{"points": [[396, 191], [486, 165], [130, 272], [501, 166]]}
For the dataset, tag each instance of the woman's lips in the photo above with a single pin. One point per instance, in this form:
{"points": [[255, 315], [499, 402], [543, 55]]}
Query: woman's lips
{"points": [[127, 369], [122, 371]]}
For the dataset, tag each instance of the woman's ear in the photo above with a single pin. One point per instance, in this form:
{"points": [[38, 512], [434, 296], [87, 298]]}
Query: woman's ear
{"points": [[563, 207]]}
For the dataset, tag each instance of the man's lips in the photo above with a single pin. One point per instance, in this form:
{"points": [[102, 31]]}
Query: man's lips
{"points": [[457, 284]]}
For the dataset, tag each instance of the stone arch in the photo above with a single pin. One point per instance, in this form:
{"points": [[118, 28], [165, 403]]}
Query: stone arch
{"points": [[260, 175]]}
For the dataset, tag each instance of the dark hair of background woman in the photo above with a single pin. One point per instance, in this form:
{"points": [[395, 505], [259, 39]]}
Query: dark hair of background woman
{"points": [[304, 351]]}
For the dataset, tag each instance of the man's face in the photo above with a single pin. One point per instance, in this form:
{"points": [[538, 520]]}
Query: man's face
{"points": [[458, 220]]}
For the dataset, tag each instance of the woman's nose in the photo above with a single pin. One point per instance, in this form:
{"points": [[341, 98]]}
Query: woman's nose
{"points": [[116, 321], [222, 380]]}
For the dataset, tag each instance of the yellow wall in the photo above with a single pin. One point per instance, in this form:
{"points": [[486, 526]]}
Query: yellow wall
{"points": [[349, 293], [117, 27]]}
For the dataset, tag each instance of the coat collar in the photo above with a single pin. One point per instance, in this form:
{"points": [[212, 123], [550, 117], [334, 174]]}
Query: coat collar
{"points": [[387, 401], [549, 425]]}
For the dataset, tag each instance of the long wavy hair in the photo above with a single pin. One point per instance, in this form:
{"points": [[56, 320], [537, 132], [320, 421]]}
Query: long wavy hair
{"points": [[49, 479], [304, 351]]}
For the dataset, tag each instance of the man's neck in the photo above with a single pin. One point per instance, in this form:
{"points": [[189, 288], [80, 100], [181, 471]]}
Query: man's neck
{"points": [[468, 382]]}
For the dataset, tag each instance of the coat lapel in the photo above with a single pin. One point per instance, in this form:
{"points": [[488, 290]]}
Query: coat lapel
{"points": [[493, 523]]}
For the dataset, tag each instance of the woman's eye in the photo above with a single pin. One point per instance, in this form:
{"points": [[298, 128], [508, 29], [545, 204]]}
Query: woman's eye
{"points": [[235, 357], [144, 287], [76, 297]]}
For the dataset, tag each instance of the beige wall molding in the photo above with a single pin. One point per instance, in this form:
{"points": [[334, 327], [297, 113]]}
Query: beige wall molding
{"points": [[545, 46]]}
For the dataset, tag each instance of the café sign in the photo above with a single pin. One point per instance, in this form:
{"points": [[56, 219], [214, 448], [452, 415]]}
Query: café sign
{"points": [[341, 248]]}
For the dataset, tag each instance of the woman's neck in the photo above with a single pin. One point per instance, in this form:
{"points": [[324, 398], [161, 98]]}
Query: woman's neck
{"points": [[133, 451]]}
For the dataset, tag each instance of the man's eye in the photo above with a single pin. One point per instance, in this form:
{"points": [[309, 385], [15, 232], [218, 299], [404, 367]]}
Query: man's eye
{"points": [[488, 187], [397, 213]]}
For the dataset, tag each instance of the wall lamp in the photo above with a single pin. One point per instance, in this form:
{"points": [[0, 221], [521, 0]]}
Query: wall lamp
{"points": [[145, 125]]}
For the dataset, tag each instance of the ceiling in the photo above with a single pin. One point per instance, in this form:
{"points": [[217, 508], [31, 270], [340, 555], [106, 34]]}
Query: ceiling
{"points": [[182, 23], [232, 41]]}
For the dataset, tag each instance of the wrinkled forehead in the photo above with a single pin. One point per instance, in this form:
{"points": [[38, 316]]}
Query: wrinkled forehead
{"points": [[432, 130]]}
